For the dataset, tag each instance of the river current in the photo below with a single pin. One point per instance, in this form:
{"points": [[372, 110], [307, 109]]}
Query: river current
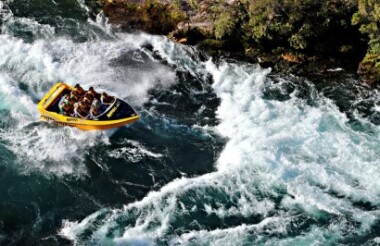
{"points": [[225, 153]]}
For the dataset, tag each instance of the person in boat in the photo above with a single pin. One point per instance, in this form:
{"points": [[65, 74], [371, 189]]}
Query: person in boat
{"points": [[95, 109], [106, 99], [93, 93], [68, 100], [87, 100], [80, 91], [63, 108], [81, 110], [96, 104], [74, 96], [66, 106]]}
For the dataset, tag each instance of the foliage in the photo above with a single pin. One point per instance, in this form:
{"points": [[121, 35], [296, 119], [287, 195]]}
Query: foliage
{"points": [[368, 19], [296, 24], [325, 29], [150, 15]]}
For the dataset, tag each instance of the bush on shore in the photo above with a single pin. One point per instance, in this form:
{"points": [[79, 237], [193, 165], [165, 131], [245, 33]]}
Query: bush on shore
{"points": [[368, 19], [318, 34]]}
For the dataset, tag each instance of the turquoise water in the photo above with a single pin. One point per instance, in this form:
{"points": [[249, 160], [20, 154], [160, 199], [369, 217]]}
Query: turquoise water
{"points": [[224, 154]]}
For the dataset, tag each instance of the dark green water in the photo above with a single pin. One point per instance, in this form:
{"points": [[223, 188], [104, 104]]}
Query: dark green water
{"points": [[224, 154]]}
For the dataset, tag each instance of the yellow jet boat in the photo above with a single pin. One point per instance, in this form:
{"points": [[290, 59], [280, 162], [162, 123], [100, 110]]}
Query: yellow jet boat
{"points": [[117, 114]]}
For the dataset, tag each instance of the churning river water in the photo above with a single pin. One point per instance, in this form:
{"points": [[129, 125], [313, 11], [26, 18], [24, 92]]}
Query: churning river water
{"points": [[225, 153]]}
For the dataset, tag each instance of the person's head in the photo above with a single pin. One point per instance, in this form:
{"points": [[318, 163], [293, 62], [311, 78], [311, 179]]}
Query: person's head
{"points": [[79, 88], [67, 97], [104, 94], [91, 89]]}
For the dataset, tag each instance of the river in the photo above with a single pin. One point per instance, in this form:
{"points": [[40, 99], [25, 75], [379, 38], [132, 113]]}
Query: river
{"points": [[225, 153]]}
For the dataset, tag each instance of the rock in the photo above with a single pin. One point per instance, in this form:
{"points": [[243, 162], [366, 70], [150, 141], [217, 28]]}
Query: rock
{"points": [[182, 41], [292, 58], [153, 16]]}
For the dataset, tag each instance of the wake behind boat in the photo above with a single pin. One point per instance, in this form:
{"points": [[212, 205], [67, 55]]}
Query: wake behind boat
{"points": [[109, 114]]}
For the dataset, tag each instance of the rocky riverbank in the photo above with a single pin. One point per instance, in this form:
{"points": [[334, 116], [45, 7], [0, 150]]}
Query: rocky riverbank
{"points": [[300, 37]]}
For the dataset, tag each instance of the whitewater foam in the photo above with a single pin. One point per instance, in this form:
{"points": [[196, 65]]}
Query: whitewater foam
{"points": [[294, 170], [300, 162], [135, 153], [291, 172], [30, 69]]}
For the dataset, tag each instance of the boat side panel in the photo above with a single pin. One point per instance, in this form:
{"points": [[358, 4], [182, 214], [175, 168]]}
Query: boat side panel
{"points": [[119, 110], [105, 127], [86, 124]]}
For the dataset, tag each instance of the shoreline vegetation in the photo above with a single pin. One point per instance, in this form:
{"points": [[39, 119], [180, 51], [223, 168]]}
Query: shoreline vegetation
{"points": [[300, 37]]}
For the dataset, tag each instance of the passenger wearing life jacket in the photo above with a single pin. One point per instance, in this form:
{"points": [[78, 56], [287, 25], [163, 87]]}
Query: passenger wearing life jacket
{"points": [[95, 109], [94, 113], [63, 108], [87, 99], [95, 103], [93, 93], [66, 106], [81, 110], [68, 101], [79, 90], [106, 100], [74, 95]]}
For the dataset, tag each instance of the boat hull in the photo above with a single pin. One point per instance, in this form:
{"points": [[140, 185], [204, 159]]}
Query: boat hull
{"points": [[88, 126]]}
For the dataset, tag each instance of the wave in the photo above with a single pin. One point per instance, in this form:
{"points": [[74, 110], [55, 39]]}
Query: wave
{"points": [[135, 153]]}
